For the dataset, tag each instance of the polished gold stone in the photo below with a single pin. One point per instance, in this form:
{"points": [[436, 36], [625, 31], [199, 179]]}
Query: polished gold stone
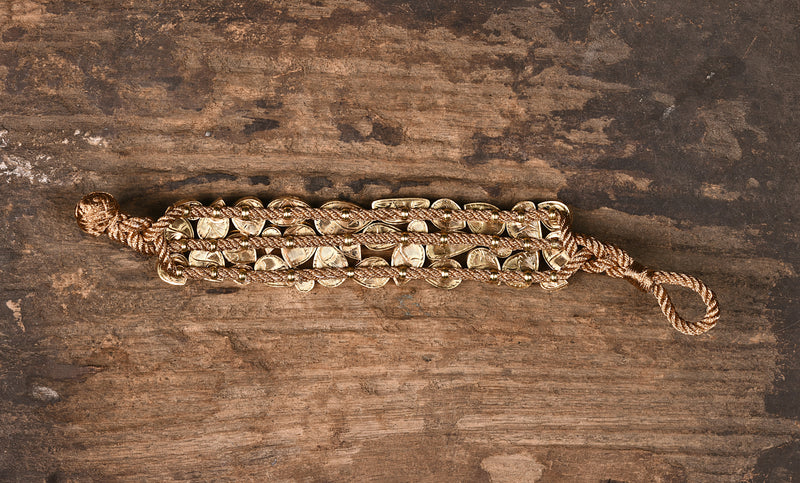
{"points": [[379, 227], [241, 255], [330, 257], [400, 203], [213, 227], [179, 229], [555, 257], [521, 262], [484, 227], [445, 223], [375, 282], [445, 279], [283, 202], [558, 206], [246, 226], [299, 255], [178, 279], [272, 262]]}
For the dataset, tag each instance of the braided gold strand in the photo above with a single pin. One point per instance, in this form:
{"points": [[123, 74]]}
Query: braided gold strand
{"points": [[289, 243]]}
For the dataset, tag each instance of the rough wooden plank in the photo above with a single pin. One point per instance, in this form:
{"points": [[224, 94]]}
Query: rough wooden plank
{"points": [[668, 127]]}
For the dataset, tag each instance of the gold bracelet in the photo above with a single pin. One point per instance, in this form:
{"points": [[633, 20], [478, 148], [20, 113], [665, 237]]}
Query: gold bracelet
{"points": [[399, 239]]}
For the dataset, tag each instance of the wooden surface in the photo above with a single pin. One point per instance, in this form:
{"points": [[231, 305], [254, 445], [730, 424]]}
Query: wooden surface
{"points": [[669, 127]]}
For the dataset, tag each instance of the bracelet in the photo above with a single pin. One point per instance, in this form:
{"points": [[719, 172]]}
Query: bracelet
{"points": [[400, 239]]}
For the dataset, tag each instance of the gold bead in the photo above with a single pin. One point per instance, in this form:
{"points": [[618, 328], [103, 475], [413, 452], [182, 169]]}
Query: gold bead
{"points": [[495, 216], [213, 243], [404, 238], [402, 272], [520, 217], [552, 213], [526, 244], [495, 241], [245, 211], [287, 213], [184, 212], [443, 238], [404, 213], [494, 276], [290, 276], [344, 214], [289, 243], [214, 272], [527, 276], [244, 243], [184, 245], [348, 240], [447, 214], [242, 276], [350, 273], [178, 272], [553, 277], [445, 273], [216, 212]]}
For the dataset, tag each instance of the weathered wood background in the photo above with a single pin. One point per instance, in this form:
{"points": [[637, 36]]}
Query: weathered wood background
{"points": [[671, 128]]}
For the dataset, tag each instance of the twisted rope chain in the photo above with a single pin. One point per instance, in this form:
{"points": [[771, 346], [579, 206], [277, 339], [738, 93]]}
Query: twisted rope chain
{"points": [[99, 213]]}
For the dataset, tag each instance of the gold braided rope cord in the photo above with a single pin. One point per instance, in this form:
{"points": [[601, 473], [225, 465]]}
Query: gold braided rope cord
{"points": [[289, 243]]}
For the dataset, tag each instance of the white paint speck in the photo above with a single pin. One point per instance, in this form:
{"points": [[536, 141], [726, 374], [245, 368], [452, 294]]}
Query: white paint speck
{"points": [[3, 140], [15, 167], [15, 306], [96, 141], [669, 110], [207, 134], [44, 394], [65, 141], [77, 132]]}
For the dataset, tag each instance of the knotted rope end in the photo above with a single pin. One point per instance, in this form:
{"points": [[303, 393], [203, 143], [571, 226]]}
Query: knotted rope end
{"points": [[96, 213]]}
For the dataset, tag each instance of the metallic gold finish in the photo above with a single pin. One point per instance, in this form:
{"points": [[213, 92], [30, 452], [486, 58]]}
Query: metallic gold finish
{"points": [[555, 257], [272, 262], [289, 242], [484, 227], [304, 286], [409, 255], [241, 255], [345, 225], [445, 223], [271, 231], [214, 272], [553, 284], [521, 261], [531, 229], [351, 251], [443, 238], [445, 280], [285, 202], [439, 252], [241, 276], [186, 205], [379, 227], [402, 273], [297, 256], [494, 276], [555, 205], [400, 203], [404, 238], [348, 240], [350, 273], [326, 257], [177, 279], [372, 282], [483, 259], [215, 227], [244, 225], [404, 213], [203, 258], [184, 246], [179, 229]]}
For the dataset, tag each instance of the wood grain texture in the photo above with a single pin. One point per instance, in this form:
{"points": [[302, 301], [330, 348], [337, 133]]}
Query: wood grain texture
{"points": [[670, 129]]}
